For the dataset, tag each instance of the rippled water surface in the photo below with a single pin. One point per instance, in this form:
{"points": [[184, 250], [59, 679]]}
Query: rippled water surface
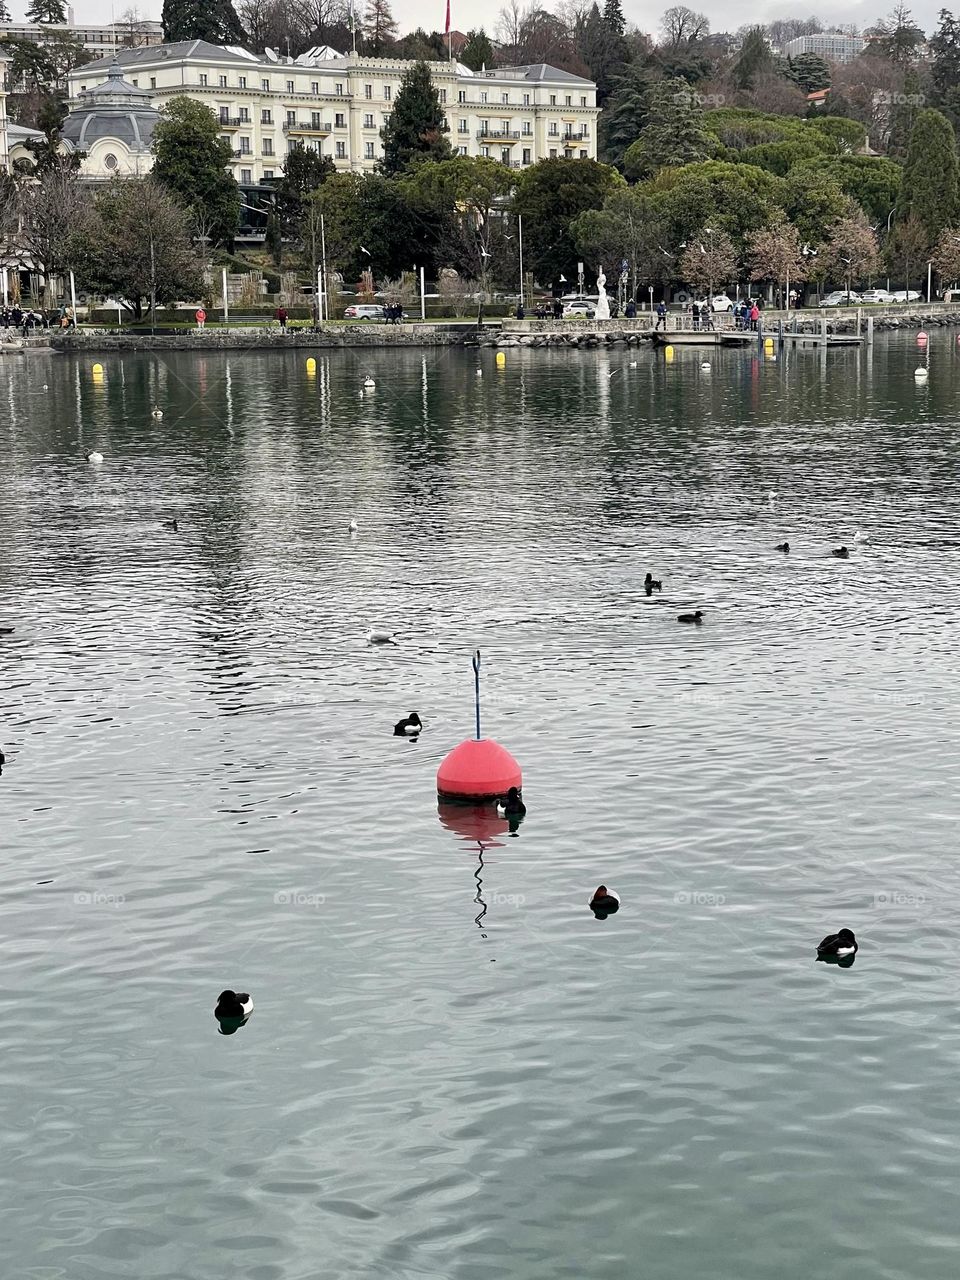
{"points": [[453, 1070]]}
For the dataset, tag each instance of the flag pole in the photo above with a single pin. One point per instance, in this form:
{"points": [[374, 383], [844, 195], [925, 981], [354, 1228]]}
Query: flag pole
{"points": [[449, 34]]}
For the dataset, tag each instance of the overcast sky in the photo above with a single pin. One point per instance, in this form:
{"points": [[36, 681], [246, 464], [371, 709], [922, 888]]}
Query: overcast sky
{"points": [[430, 13]]}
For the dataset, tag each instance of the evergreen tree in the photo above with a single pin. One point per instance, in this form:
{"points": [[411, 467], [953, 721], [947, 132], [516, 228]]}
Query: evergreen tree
{"points": [[602, 49], [626, 112], [945, 68], [4, 11], [755, 58], [273, 239], [304, 170], [212, 20], [47, 11], [192, 163], [416, 126], [929, 191], [613, 17], [809, 71], [674, 133], [897, 37], [379, 27], [478, 51]]}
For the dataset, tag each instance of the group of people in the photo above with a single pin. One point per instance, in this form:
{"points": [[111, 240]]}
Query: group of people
{"points": [[393, 312], [746, 315], [27, 319]]}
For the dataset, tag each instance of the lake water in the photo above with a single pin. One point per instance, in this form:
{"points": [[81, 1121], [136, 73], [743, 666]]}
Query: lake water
{"points": [[454, 1071]]}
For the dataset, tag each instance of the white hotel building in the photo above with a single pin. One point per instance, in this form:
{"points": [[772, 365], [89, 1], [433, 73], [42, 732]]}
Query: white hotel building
{"points": [[337, 104]]}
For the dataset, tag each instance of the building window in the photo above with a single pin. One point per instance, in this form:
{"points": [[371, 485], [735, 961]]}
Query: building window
{"points": [[339, 88], [368, 122], [443, 95], [266, 115], [268, 146], [368, 90], [554, 131], [110, 161], [153, 82], [224, 115], [340, 120], [483, 96], [569, 100], [553, 153], [462, 95], [265, 86], [242, 82], [341, 151], [553, 99], [505, 156], [244, 115], [484, 128], [463, 126], [290, 86], [244, 146], [222, 81], [583, 155], [315, 120], [291, 117], [526, 155], [203, 81], [315, 87], [267, 175], [246, 177], [387, 91], [484, 151], [504, 126], [583, 101], [504, 97], [526, 99], [368, 150], [135, 83], [462, 151], [527, 129]]}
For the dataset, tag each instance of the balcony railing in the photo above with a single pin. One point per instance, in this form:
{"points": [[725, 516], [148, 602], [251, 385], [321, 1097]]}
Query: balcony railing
{"points": [[571, 139], [306, 126], [499, 135], [231, 122]]}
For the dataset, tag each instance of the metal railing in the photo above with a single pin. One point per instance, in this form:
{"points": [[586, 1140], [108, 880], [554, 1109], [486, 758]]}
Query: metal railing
{"points": [[306, 126]]}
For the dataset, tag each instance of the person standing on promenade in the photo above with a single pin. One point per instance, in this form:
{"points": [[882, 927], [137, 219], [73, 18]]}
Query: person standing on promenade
{"points": [[201, 318], [281, 315]]}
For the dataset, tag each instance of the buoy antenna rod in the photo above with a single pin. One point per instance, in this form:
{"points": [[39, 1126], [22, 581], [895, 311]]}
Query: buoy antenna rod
{"points": [[476, 685]]}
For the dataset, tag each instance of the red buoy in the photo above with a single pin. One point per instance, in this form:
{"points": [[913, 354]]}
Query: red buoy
{"points": [[479, 769], [921, 338]]}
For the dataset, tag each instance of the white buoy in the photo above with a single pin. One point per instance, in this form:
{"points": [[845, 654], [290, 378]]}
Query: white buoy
{"points": [[920, 373], [705, 366], [94, 457], [479, 373], [633, 364], [157, 414], [368, 381]]}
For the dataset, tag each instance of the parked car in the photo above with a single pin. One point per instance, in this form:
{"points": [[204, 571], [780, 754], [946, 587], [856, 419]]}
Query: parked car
{"points": [[720, 302], [579, 307], [840, 299], [364, 311], [876, 295], [905, 295]]}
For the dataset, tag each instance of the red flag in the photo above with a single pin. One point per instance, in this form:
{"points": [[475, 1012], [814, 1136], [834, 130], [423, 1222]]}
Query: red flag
{"points": [[446, 29]]}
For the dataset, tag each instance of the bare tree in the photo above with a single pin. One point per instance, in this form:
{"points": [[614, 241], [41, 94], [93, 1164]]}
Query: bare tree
{"points": [[50, 212], [680, 25], [133, 27]]}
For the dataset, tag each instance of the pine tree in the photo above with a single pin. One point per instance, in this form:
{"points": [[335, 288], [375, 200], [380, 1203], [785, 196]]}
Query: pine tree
{"points": [[755, 58], [379, 27], [416, 126], [930, 183], [53, 11], [212, 20], [613, 17], [4, 11], [478, 51]]}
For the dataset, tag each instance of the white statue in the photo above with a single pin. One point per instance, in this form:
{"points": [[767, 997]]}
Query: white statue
{"points": [[603, 302]]}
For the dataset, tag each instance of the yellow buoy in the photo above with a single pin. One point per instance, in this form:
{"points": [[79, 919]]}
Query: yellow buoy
{"points": [[501, 359], [97, 368], [668, 354], [311, 365], [768, 344]]}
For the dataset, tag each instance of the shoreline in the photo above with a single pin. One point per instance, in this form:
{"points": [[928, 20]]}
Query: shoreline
{"points": [[500, 334]]}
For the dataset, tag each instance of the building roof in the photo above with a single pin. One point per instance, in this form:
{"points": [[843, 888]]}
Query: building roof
{"points": [[114, 109], [539, 71], [202, 50], [20, 133]]}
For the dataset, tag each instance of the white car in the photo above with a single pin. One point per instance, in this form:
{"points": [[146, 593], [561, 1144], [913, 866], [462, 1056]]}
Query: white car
{"points": [[363, 311], [876, 295], [579, 307], [840, 299], [720, 302], [905, 295]]}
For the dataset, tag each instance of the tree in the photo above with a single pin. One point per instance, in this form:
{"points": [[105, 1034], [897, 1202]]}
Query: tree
{"points": [[50, 210], [909, 246], [416, 126], [192, 164], [304, 170], [625, 113], [212, 20], [47, 11], [477, 52], [945, 67], [851, 250], [461, 201], [929, 187], [776, 254], [735, 198], [946, 255], [379, 27], [64, 53], [602, 49], [814, 202], [673, 134], [809, 71], [755, 59], [550, 195], [136, 245], [897, 38], [613, 17], [682, 26], [627, 228], [709, 259], [872, 181]]}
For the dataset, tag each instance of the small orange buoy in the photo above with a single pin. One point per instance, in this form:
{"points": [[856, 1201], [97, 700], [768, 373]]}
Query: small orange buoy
{"points": [[478, 769]]}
